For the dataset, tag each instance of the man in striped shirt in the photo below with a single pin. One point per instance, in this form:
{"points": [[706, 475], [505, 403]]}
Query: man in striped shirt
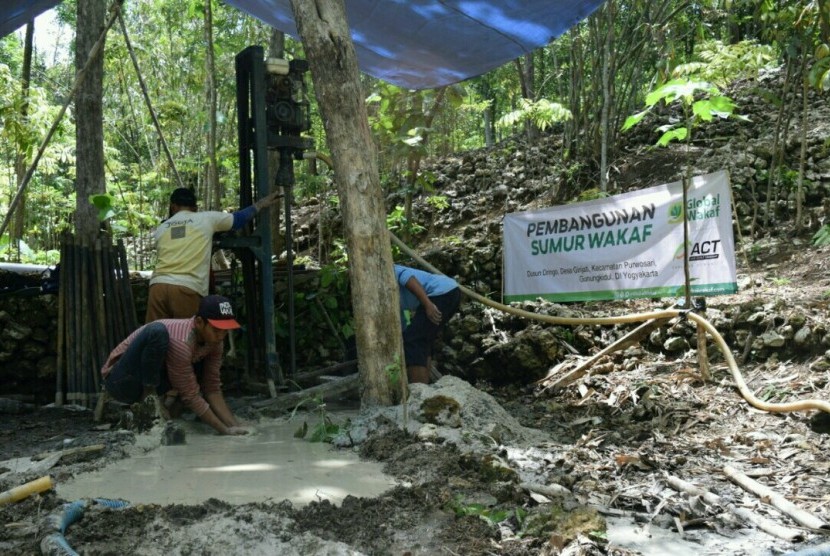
{"points": [[178, 355]]}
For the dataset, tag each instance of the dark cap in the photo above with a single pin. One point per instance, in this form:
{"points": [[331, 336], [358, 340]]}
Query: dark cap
{"points": [[183, 197], [218, 311]]}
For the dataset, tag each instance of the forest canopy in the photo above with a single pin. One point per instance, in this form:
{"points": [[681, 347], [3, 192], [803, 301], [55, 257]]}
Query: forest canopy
{"points": [[583, 85]]}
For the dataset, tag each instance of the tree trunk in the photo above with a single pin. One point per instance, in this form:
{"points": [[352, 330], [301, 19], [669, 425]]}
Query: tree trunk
{"points": [[527, 80], [607, 98], [325, 33], [21, 160], [413, 161], [89, 116], [214, 200]]}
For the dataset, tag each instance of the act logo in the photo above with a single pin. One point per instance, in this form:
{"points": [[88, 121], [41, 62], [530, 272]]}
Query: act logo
{"points": [[700, 250]]}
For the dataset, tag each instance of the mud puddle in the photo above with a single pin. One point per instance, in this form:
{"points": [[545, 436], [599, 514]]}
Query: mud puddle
{"points": [[270, 464]]}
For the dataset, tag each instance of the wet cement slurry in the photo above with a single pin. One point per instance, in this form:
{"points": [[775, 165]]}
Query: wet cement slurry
{"points": [[268, 465]]}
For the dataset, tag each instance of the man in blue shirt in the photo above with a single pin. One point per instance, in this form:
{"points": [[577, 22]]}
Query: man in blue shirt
{"points": [[432, 300]]}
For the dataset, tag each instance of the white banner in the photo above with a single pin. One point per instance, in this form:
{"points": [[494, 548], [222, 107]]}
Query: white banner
{"points": [[622, 247]]}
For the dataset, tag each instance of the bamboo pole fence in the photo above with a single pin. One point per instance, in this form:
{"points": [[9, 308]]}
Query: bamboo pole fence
{"points": [[95, 312]]}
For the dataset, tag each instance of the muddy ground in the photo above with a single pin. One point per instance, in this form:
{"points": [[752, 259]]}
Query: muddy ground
{"points": [[545, 477]]}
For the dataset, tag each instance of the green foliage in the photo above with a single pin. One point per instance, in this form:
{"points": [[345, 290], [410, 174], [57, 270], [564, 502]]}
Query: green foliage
{"points": [[493, 516], [394, 371], [722, 63], [438, 202], [819, 74], [701, 102], [103, 202], [541, 113], [325, 429], [397, 222], [822, 236], [591, 194]]}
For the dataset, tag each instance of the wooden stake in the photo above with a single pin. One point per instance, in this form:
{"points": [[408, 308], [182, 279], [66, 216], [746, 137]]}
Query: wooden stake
{"points": [[800, 516], [631, 338], [289, 401], [762, 523]]}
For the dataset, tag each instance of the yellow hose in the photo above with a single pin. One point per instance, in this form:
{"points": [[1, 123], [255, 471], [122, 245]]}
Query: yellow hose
{"points": [[800, 405], [25, 490]]}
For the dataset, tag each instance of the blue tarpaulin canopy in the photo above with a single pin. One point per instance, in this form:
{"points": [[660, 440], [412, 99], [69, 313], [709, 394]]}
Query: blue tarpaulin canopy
{"points": [[417, 44]]}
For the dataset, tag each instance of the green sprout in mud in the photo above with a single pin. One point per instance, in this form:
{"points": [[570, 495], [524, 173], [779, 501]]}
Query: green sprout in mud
{"points": [[325, 430], [493, 516]]}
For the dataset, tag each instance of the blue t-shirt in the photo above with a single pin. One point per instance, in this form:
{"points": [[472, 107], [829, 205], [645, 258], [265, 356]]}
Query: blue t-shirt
{"points": [[433, 284]]}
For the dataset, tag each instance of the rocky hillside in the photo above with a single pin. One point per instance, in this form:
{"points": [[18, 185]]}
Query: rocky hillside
{"points": [[462, 237]]}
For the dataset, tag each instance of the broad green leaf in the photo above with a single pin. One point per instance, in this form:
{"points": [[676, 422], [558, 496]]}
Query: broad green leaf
{"points": [[703, 110], [103, 202], [819, 74], [679, 134], [722, 104]]}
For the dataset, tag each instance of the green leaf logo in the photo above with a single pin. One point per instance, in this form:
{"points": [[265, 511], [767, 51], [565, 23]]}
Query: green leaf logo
{"points": [[676, 213]]}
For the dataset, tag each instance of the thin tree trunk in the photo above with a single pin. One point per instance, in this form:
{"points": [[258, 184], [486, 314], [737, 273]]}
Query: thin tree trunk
{"points": [[799, 191], [89, 116], [212, 187], [777, 150], [607, 99], [413, 163], [527, 74], [325, 33], [20, 160]]}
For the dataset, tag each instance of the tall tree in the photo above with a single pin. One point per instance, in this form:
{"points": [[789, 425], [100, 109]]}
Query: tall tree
{"points": [[89, 115], [21, 160], [526, 69], [212, 188], [328, 45]]}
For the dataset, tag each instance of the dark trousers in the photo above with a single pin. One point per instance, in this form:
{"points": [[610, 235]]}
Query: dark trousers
{"points": [[419, 337], [141, 366]]}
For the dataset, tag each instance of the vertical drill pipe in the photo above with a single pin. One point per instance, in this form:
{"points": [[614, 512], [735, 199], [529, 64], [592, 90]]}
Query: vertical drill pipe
{"points": [[285, 178], [61, 343]]}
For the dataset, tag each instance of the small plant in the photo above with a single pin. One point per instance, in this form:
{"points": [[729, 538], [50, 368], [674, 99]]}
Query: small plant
{"points": [[325, 430], [781, 281], [393, 371], [701, 102], [542, 113], [397, 222], [822, 236], [591, 194], [438, 202], [493, 516]]}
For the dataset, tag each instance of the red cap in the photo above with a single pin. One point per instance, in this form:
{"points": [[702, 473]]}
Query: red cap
{"points": [[218, 311]]}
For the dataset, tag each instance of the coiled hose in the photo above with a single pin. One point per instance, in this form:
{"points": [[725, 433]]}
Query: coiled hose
{"points": [[800, 405], [55, 544]]}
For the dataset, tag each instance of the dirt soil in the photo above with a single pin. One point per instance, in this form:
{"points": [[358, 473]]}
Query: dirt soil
{"points": [[545, 477]]}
